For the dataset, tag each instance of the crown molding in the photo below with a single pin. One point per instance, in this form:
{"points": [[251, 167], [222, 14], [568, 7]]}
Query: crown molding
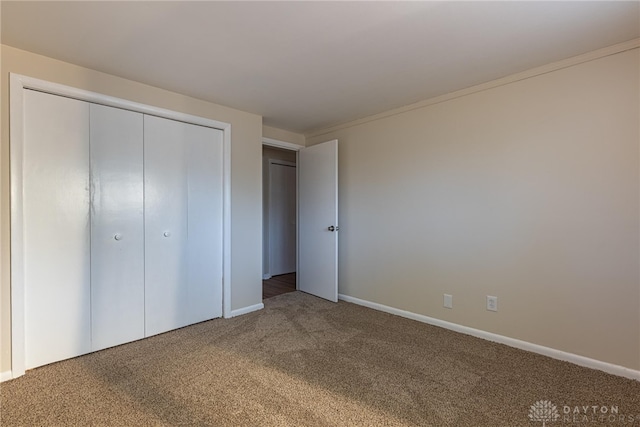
{"points": [[544, 69]]}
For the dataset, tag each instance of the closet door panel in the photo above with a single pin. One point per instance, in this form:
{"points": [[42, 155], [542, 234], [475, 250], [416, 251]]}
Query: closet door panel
{"points": [[165, 163], [117, 227], [205, 180], [56, 228]]}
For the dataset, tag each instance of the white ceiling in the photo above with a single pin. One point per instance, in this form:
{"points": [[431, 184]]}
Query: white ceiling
{"points": [[307, 65]]}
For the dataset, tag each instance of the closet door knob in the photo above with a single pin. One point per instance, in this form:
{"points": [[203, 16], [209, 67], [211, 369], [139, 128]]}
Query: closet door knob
{"points": [[166, 234], [117, 236]]}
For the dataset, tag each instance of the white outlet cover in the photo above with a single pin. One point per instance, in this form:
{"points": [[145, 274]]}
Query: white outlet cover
{"points": [[492, 303], [448, 301]]}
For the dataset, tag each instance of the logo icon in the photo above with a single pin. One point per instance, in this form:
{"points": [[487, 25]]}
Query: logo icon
{"points": [[545, 411]]}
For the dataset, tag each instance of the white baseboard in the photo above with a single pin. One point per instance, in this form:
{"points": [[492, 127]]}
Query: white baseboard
{"points": [[266, 276], [6, 375], [245, 310], [512, 342]]}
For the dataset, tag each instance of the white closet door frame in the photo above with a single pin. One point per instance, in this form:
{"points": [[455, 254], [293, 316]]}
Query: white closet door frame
{"points": [[271, 209], [18, 83]]}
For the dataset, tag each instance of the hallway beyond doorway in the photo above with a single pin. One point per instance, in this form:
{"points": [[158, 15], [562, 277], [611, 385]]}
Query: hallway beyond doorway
{"points": [[278, 285]]}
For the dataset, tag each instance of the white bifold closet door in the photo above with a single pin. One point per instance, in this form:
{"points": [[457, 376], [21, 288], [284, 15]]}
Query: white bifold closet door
{"points": [[117, 226], [183, 223], [122, 226], [56, 228], [204, 222]]}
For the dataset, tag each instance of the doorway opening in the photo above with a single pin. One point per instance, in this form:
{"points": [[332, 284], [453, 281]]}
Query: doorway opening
{"points": [[279, 176], [316, 220]]}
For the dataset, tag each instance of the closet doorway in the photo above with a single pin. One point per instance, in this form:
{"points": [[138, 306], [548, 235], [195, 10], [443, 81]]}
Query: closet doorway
{"points": [[86, 221], [279, 221]]}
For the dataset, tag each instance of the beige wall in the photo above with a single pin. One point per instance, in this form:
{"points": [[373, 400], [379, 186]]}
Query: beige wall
{"points": [[275, 154], [528, 191], [246, 179]]}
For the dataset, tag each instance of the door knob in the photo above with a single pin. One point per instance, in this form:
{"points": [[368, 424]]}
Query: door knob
{"points": [[332, 228], [166, 234], [117, 236]]}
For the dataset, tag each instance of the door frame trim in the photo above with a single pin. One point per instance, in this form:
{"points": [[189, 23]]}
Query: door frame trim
{"points": [[291, 147], [17, 85], [281, 144]]}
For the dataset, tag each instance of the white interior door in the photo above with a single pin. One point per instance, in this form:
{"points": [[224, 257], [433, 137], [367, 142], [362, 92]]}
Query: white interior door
{"points": [[165, 201], [56, 229], [282, 217], [318, 220], [117, 227]]}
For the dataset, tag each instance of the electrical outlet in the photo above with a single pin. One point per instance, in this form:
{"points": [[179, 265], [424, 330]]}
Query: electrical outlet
{"points": [[448, 301], [492, 303]]}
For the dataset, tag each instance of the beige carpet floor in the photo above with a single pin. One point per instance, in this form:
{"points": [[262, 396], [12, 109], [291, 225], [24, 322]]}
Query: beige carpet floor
{"points": [[303, 361]]}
